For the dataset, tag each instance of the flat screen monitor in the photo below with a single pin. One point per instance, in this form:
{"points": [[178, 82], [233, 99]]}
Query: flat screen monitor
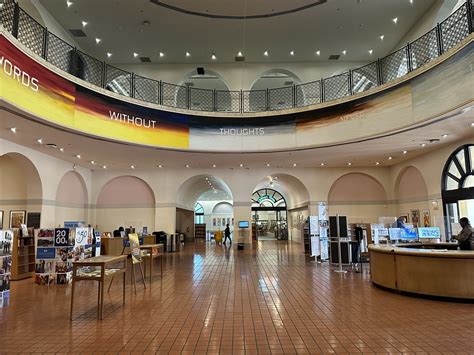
{"points": [[429, 233], [408, 234], [243, 224]]}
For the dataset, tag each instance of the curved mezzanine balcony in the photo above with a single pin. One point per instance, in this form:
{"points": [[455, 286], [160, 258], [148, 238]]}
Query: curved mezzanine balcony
{"points": [[386, 70]]}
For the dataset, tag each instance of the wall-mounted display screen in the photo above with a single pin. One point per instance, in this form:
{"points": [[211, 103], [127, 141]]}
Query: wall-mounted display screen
{"points": [[243, 224]]}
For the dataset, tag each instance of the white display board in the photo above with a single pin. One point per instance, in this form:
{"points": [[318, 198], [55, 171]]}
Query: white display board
{"points": [[315, 246], [313, 225]]}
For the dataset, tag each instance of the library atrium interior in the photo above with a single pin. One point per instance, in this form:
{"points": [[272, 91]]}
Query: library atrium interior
{"points": [[237, 177]]}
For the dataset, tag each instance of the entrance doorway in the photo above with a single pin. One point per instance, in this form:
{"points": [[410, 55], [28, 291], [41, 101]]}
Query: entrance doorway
{"points": [[458, 188], [269, 215]]}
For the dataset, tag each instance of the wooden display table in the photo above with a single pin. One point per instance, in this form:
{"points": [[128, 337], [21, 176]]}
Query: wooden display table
{"points": [[98, 269], [432, 272], [152, 251]]}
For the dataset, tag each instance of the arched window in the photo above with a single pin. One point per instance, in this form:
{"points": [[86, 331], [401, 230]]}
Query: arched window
{"points": [[458, 171], [198, 213], [457, 186], [267, 198]]}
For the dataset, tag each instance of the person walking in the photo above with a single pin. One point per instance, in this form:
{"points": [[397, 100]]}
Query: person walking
{"points": [[465, 238], [227, 234]]}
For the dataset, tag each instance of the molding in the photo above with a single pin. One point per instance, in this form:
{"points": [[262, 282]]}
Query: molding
{"points": [[237, 17]]}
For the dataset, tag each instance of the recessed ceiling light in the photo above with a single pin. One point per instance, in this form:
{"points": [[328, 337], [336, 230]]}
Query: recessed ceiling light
{"points": [[444, 135], [395, 20], [382, 37], [135, 54], [61, 150], [160, 166], [109, 54], [132, 166], [162, 54], [241, 165], [93, 162], [84, 23], [13, 129], [97, 40], [268, 164], [78, 156], [239, 54], [207, 178], [423, 145], [404, 152], [188, 54], [472, 124], [411, 2], [292, 53], [213, 165], [104, 166], [377, 163], [187, 166], [344, 52], [318, 52], [322, 164], [69, 3], [40, 141], [349, 163], [371, 51], [390, 158], [213, 56], [265, 53], [294, 164]]}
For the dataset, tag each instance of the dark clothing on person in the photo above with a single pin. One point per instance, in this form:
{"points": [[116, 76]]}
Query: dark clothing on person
{"points": [[227, 234]]}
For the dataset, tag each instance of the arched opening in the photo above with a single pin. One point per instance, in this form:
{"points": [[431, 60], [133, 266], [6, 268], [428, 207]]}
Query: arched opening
{"points": [[412, 197], [125, 201], [280, 205], [21, 191], [71, 199], [207, 201], [358, 196], [457, 188], [280, 84], [203, 90]]}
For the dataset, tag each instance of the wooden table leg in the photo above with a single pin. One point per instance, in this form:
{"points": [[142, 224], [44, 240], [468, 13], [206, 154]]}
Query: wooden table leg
{"points": [[151, 268], [161, 265], [102, 293], [124, 281]]}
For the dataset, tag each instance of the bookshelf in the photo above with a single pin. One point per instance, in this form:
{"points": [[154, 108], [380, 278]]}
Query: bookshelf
{"points": [[200, 231], [23, 256]]}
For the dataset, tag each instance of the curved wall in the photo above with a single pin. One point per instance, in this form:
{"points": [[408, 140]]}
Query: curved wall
{"points": [[80, 107], [71, 198]]}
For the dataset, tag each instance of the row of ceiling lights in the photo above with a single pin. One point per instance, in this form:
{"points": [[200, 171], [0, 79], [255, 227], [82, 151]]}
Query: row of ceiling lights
{"points": [[78, 156], [239, 54]]}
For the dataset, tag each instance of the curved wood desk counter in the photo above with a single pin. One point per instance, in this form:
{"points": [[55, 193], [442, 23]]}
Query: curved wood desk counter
{"points": [[433, 272]]}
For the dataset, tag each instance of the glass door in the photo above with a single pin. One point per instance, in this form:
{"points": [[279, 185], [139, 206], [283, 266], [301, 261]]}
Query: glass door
{"points": [[452, 219]]}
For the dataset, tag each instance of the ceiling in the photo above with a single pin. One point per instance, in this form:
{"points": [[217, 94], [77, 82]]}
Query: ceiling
{"points": [[117, 156], [146, 28]]}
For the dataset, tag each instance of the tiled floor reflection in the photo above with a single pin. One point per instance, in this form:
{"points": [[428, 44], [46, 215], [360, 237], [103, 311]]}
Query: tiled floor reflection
{"points": [[263, 301]]}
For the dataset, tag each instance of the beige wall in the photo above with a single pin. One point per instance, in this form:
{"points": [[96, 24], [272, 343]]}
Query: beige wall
{"points": [[149, 197]]}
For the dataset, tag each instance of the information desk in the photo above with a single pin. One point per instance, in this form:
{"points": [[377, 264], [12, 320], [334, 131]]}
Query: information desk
{"points": [[433, 272], [150, 252], [98, 269]]}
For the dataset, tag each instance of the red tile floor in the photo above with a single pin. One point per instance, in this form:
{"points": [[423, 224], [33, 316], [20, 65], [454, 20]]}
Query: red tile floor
{"points": [[216, 300]]}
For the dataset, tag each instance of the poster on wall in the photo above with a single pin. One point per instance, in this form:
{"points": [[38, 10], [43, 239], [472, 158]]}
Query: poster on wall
{"points": [[213, 222], [415, 218], [17, 218], [426, 218]]}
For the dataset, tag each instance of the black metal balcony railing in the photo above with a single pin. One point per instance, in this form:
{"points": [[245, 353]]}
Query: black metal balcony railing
{"points": [[69, 59]]}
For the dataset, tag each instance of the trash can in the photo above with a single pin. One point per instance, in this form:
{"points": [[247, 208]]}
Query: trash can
{"points": [[181, 239], [240, 246]]}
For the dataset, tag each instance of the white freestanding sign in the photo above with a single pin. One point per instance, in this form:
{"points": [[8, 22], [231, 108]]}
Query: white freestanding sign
{"points": [[315, 246]]}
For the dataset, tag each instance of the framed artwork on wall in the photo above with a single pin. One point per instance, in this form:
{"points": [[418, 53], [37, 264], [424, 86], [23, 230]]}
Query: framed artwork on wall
{"points": [[33, 219], [406, 215], [17, 218], [1, 219], [426, 218], [415, 218], [213, 222]]}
